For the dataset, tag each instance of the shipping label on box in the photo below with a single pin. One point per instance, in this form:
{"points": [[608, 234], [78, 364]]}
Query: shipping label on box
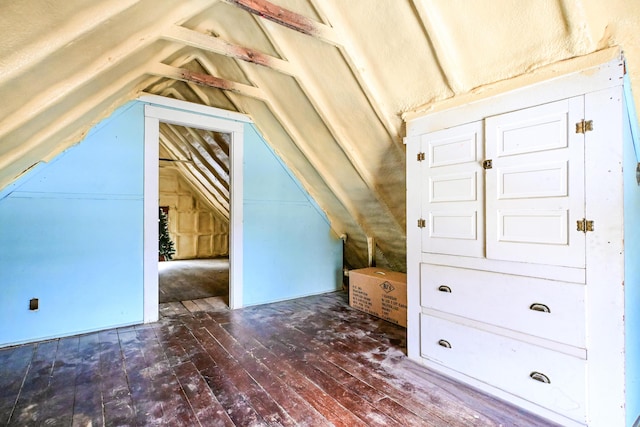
{"points": [[380, 292]]}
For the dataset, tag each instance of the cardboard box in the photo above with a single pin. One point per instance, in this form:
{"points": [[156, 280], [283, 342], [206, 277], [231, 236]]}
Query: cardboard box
{"points": [[380, 292]]}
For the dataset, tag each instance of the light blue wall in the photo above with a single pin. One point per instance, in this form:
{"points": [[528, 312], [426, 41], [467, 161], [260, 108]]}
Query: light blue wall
{"points": [[289, 248], [632, 272], [71, 236]]}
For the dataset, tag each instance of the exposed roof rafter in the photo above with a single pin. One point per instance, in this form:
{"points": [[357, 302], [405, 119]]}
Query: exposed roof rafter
{"points": [[216, 45], [288, 19], [185, 75]]}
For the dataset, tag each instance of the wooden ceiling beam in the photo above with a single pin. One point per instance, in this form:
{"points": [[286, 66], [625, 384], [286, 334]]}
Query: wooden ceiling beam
{"points": [[289, 19], [208, 43], [167, 71]]}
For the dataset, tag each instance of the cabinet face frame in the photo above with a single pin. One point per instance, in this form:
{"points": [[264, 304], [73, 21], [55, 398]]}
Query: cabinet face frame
{"points": [[602, 89]]}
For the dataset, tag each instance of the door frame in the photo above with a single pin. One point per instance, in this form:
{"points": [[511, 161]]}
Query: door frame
{"points": [[167, 110]]}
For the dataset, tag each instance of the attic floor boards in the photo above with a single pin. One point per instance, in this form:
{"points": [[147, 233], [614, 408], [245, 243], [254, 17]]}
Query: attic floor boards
{"points": [[191, 279], [307, 362]]}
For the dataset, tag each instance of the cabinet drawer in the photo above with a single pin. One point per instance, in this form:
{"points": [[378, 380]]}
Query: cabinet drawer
{"points": [[508, 301], [514, 366]]}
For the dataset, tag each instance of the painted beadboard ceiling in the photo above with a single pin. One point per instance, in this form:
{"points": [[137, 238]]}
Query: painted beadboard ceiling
{"points": [[326, 81]]}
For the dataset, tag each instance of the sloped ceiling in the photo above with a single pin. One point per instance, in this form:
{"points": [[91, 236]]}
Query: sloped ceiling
{"points": [[326, 82]]}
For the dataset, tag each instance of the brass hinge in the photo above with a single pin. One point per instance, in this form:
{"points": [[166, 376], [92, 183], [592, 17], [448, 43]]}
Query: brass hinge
{"points": [[422, 223], [421, 157], [584, 126], [584, 225], [487, 164]]}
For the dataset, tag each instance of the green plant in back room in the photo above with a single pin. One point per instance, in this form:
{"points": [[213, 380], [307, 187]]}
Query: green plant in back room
{"points": [[166, 248]]}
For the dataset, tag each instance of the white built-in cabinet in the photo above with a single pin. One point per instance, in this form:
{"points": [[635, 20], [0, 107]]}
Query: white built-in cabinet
{"points": [[520, 280]]}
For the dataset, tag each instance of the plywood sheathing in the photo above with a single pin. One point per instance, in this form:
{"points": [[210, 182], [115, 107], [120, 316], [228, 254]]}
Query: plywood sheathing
{"points": [[326, 82]]}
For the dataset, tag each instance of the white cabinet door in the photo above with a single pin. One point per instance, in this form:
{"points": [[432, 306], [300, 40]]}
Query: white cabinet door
{"points": [[535, 188], [452, 191]]}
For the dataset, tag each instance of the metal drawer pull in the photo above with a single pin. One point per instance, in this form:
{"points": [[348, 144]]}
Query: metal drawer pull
{"points": [[444, 288], [539, 307], [538, 376], [444, 343]]}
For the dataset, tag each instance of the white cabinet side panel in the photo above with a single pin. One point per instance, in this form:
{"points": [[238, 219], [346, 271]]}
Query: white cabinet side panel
{"points": [[605, 250], [632, 268], [413, 247]]}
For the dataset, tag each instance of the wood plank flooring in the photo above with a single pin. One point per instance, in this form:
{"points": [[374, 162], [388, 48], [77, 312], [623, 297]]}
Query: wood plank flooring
{"points": [[191, 279], [307, 362]]}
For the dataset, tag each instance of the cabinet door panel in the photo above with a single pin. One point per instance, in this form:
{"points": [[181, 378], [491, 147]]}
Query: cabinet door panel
{"points": [[533, 180], [452, 186], [527, 226], [535, 189]]}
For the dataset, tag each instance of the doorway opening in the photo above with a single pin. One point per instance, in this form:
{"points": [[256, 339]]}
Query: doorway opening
{"points": [[194, 197], [193, 163]]}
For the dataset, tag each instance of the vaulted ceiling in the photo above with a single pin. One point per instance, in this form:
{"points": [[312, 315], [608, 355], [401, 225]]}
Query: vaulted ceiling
{"points": [[326, 82]]}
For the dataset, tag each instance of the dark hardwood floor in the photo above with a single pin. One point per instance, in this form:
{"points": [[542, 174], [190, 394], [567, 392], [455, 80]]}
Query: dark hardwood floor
{"points": [[307, 362]]}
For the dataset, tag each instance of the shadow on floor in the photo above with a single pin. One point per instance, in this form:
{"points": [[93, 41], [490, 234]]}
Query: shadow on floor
{"points": [[193, 279]]}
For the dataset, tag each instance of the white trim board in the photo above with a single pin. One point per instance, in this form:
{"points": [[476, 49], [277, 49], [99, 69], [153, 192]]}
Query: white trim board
{"points": [[183, 113], [194, 108]]}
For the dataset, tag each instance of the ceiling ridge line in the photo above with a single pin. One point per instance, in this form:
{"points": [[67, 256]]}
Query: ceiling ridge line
{"points": [[161, 85]]}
